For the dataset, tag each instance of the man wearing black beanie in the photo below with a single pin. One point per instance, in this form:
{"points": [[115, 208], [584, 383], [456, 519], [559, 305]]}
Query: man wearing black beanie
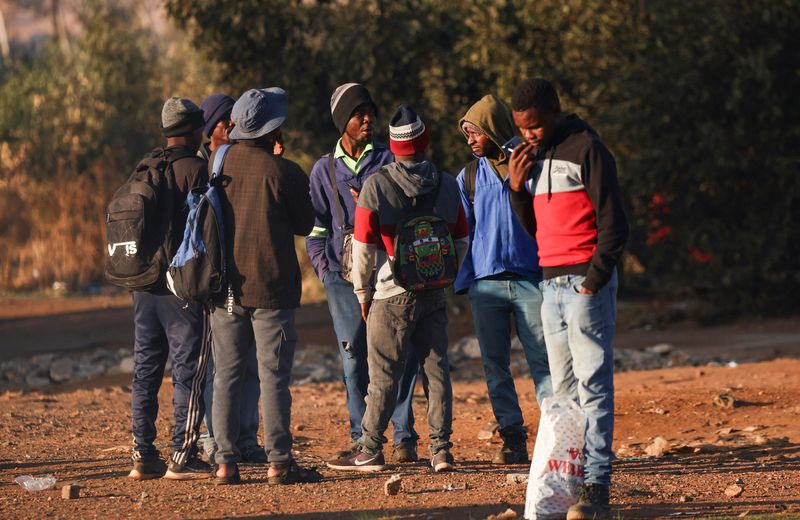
{"points": [[336, 180]]}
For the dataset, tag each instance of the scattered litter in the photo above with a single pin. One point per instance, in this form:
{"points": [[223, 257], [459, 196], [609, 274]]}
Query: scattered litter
{"points": [[120, 448], [508, 514], [659, 447], [662, 349], [724, 401], [731, 364], [516, 478], [451, 487], [31, 483], [754, 428], [392, 486], [734, 490], [684, 499], [744, 513], [70, 491]]}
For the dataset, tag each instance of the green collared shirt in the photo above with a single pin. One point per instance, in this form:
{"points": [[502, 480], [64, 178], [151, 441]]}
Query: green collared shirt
{"points": [[351, 163]]}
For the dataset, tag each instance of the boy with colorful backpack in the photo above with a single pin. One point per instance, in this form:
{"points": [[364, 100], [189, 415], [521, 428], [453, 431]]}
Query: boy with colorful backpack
{"points": [[410, 236]]}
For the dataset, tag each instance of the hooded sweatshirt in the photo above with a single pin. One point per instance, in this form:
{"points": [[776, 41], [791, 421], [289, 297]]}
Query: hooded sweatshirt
{"points": [[493, 117], [576, 212], [499, 244], [380, 209]]}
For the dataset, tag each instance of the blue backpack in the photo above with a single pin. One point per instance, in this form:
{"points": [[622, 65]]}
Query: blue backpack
{"points": [[198, 270]]}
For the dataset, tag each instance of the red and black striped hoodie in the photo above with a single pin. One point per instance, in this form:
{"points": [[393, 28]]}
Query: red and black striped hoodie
{"points": [[573, 205]]}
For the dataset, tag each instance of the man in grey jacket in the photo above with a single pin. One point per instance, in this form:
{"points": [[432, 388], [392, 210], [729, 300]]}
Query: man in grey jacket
{"points": [[398, 319]]}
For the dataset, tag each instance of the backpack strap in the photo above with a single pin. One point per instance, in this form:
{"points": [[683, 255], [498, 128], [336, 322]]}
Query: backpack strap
{"points": [[470, 176], [219, 159], [338, 203]]}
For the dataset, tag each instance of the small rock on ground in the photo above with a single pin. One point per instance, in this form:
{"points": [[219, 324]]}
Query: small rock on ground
{"points": [[392, 486]]}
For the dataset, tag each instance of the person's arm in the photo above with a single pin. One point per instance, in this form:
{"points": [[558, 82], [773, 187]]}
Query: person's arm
{"points": [[469, 213], [366, 237], [317, 240], [461, 235], [519, 168], [600, 179], [298, 201]]}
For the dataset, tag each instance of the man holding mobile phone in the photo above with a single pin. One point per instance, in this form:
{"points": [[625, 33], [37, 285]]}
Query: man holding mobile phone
{"points": [[336, 180], [501, 273], [564, 189]]}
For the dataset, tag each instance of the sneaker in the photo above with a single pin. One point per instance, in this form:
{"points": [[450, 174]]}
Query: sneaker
{"points": [[291, 473], [193, 469], [405, 452], [592, 504], [254, 455], [514, 450], [442, 460], [352, 450], [359, 461], [147, 466]]}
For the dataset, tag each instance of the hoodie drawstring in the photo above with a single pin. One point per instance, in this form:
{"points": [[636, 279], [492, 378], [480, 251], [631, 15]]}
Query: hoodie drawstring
{"points": [[549, 175]]}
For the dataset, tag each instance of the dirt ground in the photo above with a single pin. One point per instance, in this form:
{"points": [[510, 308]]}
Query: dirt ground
{"points": [[80, 433]]}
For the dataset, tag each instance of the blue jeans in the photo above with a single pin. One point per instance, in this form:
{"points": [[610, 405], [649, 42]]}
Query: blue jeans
{"points": [[493, 304], [248, 418], [350, 328], [579, 331]]}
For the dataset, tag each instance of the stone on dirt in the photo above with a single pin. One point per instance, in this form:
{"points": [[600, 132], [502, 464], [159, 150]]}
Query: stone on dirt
{"points": [[392, 486], [658, 448], [724, 401], [516, 478], [488, 430], [734, 490], [70, 491], [61, 370], [508, 514]]}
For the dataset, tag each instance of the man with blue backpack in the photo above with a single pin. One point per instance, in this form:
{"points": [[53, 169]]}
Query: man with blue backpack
{"points": [[501, 273], [265, 203], [336, 180], [145, 223]]}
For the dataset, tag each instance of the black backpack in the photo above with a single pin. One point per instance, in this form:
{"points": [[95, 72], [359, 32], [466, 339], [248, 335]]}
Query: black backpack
{"points": [[198, 271], [139, 218]]}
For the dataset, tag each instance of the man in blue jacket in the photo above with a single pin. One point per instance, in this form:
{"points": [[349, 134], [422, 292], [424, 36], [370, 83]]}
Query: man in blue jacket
{"points": [[500, 273], [336, 180]]}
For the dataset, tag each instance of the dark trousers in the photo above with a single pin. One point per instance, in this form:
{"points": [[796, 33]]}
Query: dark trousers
{"points": [[168, 328], [394, 326]]}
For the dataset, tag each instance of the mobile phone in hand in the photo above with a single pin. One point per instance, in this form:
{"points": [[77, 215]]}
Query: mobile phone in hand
{"points": [[509, 145]]}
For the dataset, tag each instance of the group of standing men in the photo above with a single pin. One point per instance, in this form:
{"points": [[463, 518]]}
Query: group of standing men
{"points": [[537, 230]]}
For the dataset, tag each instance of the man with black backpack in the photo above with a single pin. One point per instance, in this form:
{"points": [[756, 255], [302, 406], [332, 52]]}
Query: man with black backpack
{"points": [[165, 327], [336, 180], [501, 273], [410, 235]]}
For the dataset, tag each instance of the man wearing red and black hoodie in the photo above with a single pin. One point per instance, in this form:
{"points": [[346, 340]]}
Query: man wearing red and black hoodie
{"points": [[564, 190]]}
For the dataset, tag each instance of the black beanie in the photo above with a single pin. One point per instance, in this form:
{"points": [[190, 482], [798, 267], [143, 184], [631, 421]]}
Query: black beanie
{"points": [[345, 99]]}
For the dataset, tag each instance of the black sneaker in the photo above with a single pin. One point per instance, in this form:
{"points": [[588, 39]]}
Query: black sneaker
{"points": [[359, 461], [254, 455], [193, 469], [514, 450], [405, 452], [442, 460], [147, 466], [592, 504]]}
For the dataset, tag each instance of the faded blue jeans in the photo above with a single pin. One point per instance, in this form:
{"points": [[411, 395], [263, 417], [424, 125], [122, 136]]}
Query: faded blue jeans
{"points": [[494, 302], [579, 331], [350, 328]]}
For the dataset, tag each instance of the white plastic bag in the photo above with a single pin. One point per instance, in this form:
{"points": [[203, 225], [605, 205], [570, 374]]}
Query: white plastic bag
{"points": [[557, 466], [31, 483]]}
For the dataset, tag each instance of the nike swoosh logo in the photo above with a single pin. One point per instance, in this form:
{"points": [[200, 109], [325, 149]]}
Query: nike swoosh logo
{"points": [[358, 463]]}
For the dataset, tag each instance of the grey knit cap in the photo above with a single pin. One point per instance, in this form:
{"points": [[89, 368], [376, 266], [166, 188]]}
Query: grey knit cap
{"points": [[180, 116], [345, 99]]}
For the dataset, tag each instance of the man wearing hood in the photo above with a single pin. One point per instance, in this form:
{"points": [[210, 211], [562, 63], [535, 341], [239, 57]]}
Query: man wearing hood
{"points": [[399, 320], [336, 180], [501, 274], [564, 189]]}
